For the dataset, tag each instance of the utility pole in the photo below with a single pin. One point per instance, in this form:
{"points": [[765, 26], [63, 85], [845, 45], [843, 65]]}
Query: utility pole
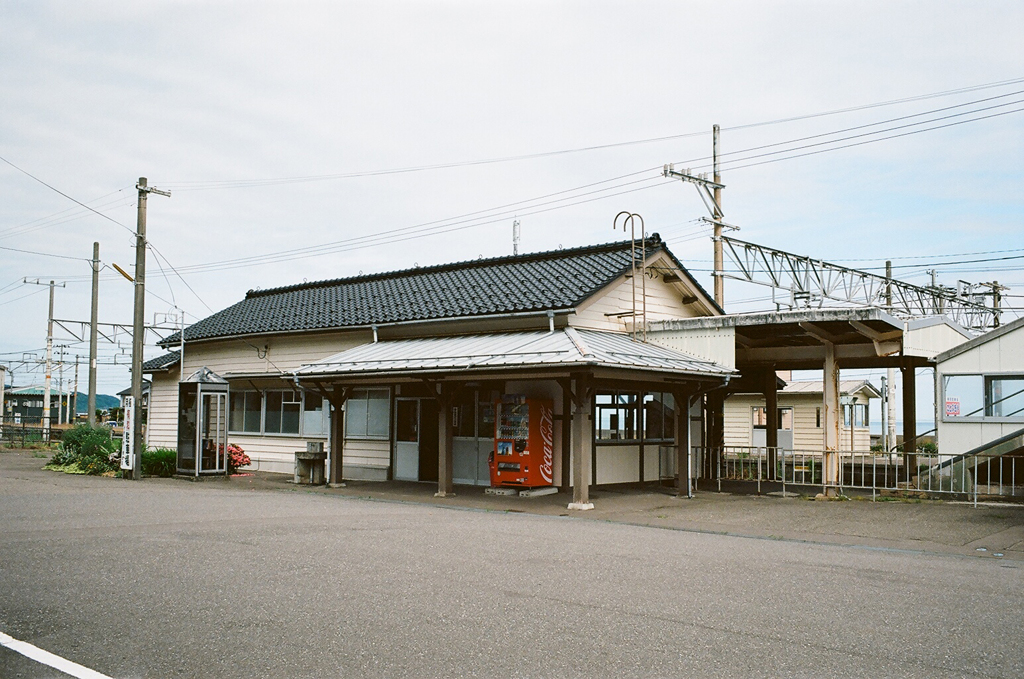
{"points": [[138, 328], [719, 258], [710, 191], [93, 332], [49, 358], [60, 386], [890, 374], [515, 237], [74, 399]]}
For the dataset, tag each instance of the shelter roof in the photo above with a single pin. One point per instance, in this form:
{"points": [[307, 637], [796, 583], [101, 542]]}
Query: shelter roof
{"points": [[862, 336], [564, 349], [538, 282]]}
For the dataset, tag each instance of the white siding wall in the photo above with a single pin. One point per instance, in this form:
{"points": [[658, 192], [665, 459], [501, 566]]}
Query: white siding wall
{"points": [[806, 434], [162, 423], [664, 302], [283, 354]]}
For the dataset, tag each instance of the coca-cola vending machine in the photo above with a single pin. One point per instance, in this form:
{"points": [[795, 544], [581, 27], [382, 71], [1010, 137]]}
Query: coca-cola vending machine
{"points": [[523, 442]]}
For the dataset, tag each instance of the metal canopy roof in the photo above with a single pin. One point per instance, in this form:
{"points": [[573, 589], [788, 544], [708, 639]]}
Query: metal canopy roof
{"points": [[564, 350], [863, 337]]}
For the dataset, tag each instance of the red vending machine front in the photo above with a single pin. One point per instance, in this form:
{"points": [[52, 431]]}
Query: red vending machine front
{"points": [[523, 442]]}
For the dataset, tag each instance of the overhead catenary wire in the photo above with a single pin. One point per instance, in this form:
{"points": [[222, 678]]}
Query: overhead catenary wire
{"points": [[244, 183]]}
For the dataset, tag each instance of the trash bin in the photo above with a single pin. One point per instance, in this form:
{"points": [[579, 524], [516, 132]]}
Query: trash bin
{"points": [[309, 467]]}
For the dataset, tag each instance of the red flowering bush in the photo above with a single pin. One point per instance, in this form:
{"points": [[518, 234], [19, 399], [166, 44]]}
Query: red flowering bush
{"points": [[236, 458]]}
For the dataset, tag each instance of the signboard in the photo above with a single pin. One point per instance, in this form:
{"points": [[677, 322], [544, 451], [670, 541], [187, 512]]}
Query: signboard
{"points": [[952, 407], [128, 437]]}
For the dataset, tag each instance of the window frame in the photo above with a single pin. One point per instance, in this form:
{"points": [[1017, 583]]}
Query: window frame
{"points": [[987, 379], [366, 435]]}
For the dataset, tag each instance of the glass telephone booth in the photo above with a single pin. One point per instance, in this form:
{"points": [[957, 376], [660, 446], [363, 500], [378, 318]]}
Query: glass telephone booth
{"points": [[203, 424]]}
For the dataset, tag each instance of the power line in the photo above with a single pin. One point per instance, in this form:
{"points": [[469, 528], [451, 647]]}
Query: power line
{"points": [[244, 183], [869, 141], [73, 200], [45, 254]]}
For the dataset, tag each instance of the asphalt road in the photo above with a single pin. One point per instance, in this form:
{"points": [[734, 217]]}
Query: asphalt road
{"points": [[177, 579]]}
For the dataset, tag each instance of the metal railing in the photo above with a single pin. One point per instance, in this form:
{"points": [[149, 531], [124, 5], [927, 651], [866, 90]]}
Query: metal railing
{"points": [[930, 474], [22, 435]]}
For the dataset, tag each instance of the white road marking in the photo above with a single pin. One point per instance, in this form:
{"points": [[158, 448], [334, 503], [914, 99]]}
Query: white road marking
{"points": [[47, 658]]}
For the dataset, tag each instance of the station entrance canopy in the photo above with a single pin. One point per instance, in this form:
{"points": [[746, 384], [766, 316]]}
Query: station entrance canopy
{"points": [[577, 360]]}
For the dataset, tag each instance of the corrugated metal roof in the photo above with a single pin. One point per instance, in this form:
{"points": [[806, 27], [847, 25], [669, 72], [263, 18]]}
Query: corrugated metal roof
{"points": [[558, 279], [568, 346]]}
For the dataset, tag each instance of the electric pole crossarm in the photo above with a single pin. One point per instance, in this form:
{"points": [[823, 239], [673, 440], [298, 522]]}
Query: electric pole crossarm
{"points": [[704, 188]]}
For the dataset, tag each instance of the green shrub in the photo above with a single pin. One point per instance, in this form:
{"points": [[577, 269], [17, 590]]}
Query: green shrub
{"points": [[159, 462], [90, 450]]}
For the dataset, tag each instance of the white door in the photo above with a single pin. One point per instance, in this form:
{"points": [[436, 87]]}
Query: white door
{"points": [[407, 439]]}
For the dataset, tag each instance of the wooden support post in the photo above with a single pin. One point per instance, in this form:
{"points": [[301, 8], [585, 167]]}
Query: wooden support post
{"points": [[566, 386], [682, 438], [909, 420], [337, 399], [771, 410], [445, 459], [830, 389], [582, 444], [716, 434]]}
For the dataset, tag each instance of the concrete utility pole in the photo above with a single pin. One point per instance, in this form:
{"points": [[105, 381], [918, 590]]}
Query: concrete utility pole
{"points": [[138, 328], [3, 381], [890, 374], [49, 358], [719, 258], [60, 385], [93, 332], [73, 402]]}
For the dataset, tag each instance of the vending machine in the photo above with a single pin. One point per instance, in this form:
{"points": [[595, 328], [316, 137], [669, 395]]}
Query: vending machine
{"points": [[523, 442]]}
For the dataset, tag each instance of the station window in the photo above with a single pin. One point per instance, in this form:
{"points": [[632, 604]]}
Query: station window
{"points": [[368, 414], [246, 410], [616, 416], [282, 413], [1005, 396], [659, 416]]}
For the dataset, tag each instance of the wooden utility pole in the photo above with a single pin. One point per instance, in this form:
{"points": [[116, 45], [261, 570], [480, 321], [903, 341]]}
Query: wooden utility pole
{"points": [[94, 321], [138, 328]]}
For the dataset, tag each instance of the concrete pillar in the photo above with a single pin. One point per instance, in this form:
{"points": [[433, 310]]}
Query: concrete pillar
{"points": [[582, 444], [445, 486], [771, 406], [909, 420], [682, 437], [833, 420]]}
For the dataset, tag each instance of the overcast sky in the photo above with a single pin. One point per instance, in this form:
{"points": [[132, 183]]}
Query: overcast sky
{"points": [[206, 99]]}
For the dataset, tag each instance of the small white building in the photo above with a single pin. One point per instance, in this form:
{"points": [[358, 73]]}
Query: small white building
{"points": [[980, 389], [801, 425]]}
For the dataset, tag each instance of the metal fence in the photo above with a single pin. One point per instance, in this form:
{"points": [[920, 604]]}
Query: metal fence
{"points": [[22, 435], [965, 476]]}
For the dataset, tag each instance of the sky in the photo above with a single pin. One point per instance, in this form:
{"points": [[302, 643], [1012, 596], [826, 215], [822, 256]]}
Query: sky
{"points": [[307, 141]]}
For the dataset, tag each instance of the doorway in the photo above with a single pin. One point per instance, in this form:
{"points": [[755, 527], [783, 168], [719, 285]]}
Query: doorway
{"points": [[416, 444]]}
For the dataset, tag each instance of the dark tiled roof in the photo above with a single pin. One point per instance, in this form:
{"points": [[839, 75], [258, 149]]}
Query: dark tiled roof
{"points": [[160, 363], [558, 279]]}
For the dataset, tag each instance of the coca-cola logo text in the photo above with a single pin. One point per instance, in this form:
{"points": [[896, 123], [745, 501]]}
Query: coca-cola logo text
{"points": [[547, 435]]}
